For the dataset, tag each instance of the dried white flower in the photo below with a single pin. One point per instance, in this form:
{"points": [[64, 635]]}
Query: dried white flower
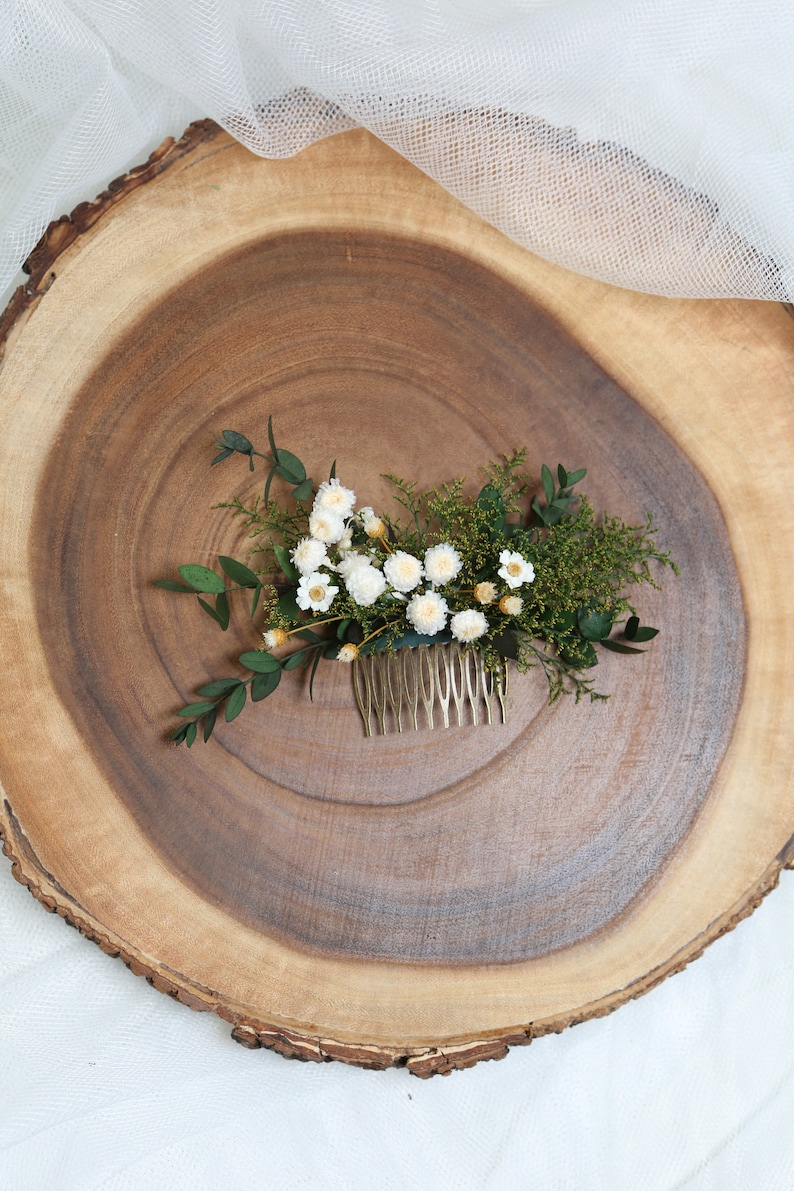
{"points": [[403, 571], [364, 584], [334, 498], [326, 525], [442, 564], [427, 613], [348, 653], [315, 593], [371, 523], [350, 563], [511, 605], [346, 540], [485, 593], [515, 569], [309, 555], [274, 638], [468, 625]]}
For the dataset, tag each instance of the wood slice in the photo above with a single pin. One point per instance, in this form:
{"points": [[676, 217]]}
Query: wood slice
{"points": [[426, 898]]}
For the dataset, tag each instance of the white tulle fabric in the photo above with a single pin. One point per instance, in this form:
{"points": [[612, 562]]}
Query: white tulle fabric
{"points": [[646, 142]]}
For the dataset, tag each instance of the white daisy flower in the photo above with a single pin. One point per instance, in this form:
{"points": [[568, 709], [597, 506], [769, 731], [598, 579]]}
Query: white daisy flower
{"points": [[485, 593], [468, 625], [427, 613], [315, 593], [511, 605], [442, 564], [364, 584], [348, 653], [403, 571], [326, 525], [333, 497], [274, 638], [309, 555], [350, 563], [515, 569]]}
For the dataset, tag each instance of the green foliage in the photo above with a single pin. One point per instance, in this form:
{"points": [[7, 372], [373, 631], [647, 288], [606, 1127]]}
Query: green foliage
{"points": [[584, 569]]}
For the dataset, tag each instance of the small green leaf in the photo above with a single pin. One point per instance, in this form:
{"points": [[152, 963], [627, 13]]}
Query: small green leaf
{"points": [[259, 661], [285, 562], [343, 627], [222, 609], [238, 571], [575, 476], [632, 624], [202, 578], [332, 476], [237, 442], [173, 585], [619, 647], [235, 703], [319, 653], [304, 490], [209, 723], [269, 481], [195, 709], [179, 735], [562, 476], [264, 685], [294, 660], [645, 633], [288, 605], [594, 624], [218, 688], [223, 454], [190, 735], [271, 439], [255, 601], [290, 467], [208, 608], [547, 480]]}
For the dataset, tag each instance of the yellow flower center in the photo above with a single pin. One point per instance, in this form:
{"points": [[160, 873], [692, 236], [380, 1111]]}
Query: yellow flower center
{"points": [[316, 593], [514, 568]]}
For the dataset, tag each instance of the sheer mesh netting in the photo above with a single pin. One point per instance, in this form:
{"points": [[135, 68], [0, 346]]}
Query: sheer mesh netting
{"points": [[649, 143]]}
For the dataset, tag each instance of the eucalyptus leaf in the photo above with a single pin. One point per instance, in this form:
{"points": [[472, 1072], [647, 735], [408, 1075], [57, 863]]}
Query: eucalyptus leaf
{"points": [[645, 633], [235, 703], [270, 437], [223, 454], [342, 628], [506, 644], [208, 608], [237, 442], [309, 635], [319, 653], [562, 476], [290, 467], [288, 605], [304, 490], [264, 685], [238, 571], [547, 481], [173, 585], [632, 624], [255, 601], [619, 647], [294, 660], [259, 661], [209, 723], [195, 709], [594, 624], [222, 609], [219, 687], [179, 735], [190, 735], [575, 476], [286, 563], [202, 578], [269, 481]]}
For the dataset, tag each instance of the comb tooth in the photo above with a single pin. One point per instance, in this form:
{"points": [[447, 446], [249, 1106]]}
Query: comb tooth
{"points": [[362, 685], [427, 688], [385, 686]]}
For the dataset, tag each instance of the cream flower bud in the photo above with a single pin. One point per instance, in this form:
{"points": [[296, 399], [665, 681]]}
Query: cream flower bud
{"points": [[274, 638], [511, 605], [485, 593], [348, 653]]}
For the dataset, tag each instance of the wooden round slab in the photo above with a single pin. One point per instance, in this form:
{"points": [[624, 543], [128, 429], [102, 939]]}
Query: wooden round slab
{"points": [[425, 898]]}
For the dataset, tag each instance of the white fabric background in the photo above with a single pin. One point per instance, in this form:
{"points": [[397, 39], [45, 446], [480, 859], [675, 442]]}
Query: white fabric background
{"points": [[107, 1084]]}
